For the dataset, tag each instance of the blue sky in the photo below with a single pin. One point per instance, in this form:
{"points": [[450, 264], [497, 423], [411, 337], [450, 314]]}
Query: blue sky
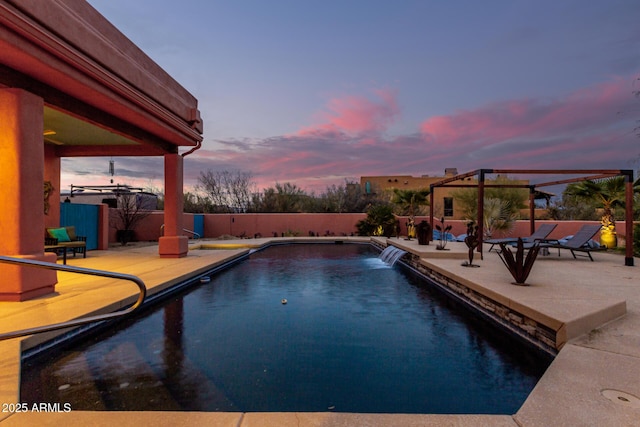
{"points": [[316, 92]]}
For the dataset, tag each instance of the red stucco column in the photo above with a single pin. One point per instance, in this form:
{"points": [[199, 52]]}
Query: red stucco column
{"points": [[22, 216], [173, 244]]}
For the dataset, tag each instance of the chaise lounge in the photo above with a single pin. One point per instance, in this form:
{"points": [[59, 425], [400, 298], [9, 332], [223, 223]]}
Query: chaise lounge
{"points": [[578, 243], [540, 234]]}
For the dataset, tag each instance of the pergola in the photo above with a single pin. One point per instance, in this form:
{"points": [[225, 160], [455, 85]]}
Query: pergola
{"points": [[582, 175]]}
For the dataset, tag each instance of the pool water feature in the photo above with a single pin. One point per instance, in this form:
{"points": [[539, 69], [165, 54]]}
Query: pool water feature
{"points": [[356, 335], [391, 255]]}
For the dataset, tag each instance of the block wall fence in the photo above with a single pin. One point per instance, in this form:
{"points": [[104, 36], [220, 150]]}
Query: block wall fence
{"points": [[303, 224]]}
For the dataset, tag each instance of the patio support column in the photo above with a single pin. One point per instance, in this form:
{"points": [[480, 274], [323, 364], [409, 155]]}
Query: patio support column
{"points": [[22, 218], [173, 244], [480, 211], [431, 200], [532, 209], [628, 218]]}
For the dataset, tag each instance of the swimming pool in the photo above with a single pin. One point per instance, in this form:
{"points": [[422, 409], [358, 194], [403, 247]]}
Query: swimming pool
{"points": [[354, 336]]}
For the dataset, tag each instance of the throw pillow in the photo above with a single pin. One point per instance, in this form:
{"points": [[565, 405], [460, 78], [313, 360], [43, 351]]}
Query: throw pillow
{"points": [[60, 234]]}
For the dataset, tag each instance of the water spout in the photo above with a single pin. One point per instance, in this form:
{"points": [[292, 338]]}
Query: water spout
{"points": [[390, 255]]}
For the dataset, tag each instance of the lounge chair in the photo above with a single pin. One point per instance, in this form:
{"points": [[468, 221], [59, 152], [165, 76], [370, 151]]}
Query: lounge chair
{"points": [[578, 243], [540, 234]]}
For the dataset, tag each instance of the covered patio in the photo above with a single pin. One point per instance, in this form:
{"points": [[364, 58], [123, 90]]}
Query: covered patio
{"points": [[71, 90]]}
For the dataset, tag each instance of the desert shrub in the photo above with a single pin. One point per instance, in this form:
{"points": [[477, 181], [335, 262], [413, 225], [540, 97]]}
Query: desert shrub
{"points": [[380, 221]]}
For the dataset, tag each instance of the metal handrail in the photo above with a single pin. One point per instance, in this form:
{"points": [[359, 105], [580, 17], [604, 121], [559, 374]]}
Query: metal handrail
{"points": [[197, 235], [193, 233], [79, 270]]}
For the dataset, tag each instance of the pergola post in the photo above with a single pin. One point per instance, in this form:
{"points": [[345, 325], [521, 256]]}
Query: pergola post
{"points": [[532, 209], [628, 219], [480, 210], [431, 201]]}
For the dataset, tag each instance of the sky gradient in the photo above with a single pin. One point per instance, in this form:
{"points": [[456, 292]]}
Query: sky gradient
{"points": [[314, 93]]}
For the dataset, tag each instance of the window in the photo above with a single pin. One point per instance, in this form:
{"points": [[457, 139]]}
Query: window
{"points": [[448, 206]]}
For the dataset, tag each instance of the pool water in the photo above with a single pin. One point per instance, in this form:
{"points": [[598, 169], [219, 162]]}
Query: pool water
{"points": [[354, 335]]}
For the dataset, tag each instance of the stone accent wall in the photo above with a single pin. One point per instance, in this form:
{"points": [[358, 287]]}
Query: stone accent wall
{"points": [[515, 323]]}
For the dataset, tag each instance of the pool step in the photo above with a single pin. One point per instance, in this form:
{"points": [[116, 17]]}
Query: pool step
{"points": [[182, 374], [69, 380], [77, 384], [129, 382]]}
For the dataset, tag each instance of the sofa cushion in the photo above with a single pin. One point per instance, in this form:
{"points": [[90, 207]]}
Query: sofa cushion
{"points": [[71, 232], [59, 233]]}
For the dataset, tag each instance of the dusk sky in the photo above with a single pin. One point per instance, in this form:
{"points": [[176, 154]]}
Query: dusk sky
{"points": [[316, 92]]}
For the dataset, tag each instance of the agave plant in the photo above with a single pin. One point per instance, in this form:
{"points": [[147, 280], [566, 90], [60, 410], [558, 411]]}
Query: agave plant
{"points": [[519, 265]]}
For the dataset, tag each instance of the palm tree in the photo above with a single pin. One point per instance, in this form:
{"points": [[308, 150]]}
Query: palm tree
{"points": [[498, 216], [410, 200], [609, 193], [501, 205]]}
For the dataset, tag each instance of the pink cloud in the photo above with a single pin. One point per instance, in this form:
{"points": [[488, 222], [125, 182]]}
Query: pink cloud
{"points": [[356, 115], [583, 111], [582, 130]]}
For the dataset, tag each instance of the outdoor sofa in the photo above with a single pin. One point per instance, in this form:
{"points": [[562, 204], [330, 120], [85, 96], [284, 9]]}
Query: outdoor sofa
{"points": [[63, 239]]}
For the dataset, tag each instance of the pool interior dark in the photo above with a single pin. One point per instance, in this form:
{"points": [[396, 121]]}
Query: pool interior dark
{"points": [[355, 335]]}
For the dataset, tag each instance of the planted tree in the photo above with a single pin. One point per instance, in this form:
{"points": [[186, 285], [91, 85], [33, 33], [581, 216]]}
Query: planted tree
{"points": [[285, 197], [380, 221], [130, 212], [609, 193], [348, 197], [498, 215], [228, 191], [501, 205], [410, 201]]}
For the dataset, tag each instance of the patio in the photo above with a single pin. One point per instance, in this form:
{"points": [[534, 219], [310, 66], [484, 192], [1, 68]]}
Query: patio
{"points": [[592, 381]]}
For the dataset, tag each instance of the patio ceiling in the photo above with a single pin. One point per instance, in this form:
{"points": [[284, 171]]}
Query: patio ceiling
{"points": [[103, 96], [63, 129]]}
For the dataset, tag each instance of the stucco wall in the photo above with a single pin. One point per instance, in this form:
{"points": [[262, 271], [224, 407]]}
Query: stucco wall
{"points": [[268, 224], [150, 228], [249, 225]]}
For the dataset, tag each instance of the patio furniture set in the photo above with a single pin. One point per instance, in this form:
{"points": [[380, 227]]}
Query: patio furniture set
{"points": [[579, 243], [64, 239]]}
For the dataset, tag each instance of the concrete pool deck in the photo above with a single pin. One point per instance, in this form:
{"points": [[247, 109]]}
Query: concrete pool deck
{"points": [[592, 381]]}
